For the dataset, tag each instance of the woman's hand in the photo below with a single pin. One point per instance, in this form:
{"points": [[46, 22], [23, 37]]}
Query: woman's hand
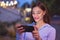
{"points": [[36, 34], [19, 29]]}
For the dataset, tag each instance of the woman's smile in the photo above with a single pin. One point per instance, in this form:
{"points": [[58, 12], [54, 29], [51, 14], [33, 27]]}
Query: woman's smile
{"points": [[36, 18]]}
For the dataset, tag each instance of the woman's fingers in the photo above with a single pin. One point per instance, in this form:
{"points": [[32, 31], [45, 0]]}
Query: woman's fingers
{"points": [[17, 25], [35, 36], [21, 28], [34, 32], [21, 31], [35, 28]]}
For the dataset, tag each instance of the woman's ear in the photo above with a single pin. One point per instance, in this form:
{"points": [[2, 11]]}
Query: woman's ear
{"points": [[44, 13]]}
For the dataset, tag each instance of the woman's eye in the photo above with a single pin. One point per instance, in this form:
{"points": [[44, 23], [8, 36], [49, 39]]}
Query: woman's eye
{"points": [[38, 13], [35, 13]]}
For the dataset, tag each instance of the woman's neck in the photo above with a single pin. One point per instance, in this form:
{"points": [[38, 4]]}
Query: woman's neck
{"points": [[40, 24]]}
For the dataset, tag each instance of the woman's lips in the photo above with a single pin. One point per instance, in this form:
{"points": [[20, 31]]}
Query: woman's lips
{"points": [[36, 18]]}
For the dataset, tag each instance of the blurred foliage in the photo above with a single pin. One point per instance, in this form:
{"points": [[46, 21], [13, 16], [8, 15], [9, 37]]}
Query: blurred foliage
{"points": [[3, 31], [53, 6], [56, 7], [7, 29]]}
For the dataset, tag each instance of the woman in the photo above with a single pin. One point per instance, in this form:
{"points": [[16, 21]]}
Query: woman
{"points": [[42, 29]]}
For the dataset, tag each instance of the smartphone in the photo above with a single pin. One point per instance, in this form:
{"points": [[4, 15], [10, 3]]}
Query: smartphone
{"points": [[27, 28]]}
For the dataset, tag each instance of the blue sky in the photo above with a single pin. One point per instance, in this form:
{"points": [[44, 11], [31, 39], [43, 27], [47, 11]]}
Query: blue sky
{"points": [[21, 2]]}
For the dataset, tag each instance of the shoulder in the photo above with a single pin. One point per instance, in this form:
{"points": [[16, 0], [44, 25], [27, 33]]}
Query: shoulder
{"points": [[50, 28], [46, 30]]}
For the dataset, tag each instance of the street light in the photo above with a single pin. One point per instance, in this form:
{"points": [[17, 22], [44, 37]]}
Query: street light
{"points": [[15, 2], [11, 3], [3, 4], [28, 9], [7, 3]]}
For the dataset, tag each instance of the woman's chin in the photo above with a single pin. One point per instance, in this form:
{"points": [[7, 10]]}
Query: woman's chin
{"points": [[36, 20]]}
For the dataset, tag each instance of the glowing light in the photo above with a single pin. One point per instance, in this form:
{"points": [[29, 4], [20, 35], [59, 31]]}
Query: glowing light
{"points": [[27, 19], [28, 9], [7, 3], [2, 3], [15, 2], [11, 3]]}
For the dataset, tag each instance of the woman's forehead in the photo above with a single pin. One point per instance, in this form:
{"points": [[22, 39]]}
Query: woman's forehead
{"points": [[36, 9]]}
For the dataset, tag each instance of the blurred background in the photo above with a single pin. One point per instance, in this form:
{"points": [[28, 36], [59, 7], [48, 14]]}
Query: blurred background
{"points": [[11, 11]]}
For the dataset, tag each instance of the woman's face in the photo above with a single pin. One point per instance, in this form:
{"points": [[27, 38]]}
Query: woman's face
{"points": [[37, 14]]}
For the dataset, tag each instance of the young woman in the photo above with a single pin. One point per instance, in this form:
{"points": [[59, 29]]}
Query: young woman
{"points": [[42, 29]]}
